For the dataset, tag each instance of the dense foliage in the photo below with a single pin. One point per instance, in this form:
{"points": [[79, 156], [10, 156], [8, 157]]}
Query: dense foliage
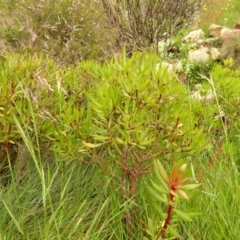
{"points": [[113, 149]]}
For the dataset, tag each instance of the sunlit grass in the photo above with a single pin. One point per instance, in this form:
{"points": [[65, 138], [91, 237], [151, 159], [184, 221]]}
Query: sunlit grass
{"points": [[218, 170], [222, 12]]}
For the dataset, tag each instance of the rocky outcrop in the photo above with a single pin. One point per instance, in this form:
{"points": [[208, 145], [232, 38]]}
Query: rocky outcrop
{"points": [[228, 34], [223, 43], [229, 39], [215, 53], [215, 30], [199, 55], [194, 36]]}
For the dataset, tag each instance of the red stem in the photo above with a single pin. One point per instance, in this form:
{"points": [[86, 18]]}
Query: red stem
{"points": [[168, 219]]}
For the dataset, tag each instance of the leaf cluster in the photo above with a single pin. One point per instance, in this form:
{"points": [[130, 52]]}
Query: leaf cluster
{"points": [[166, 194]]}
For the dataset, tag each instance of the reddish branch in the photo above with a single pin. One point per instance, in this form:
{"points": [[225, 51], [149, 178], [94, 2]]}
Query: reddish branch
{"points": [[162, 232]]}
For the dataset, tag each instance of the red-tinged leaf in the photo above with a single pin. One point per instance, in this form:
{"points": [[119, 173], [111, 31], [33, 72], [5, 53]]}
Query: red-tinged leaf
{"points": [[183, 194], [183, 181]]}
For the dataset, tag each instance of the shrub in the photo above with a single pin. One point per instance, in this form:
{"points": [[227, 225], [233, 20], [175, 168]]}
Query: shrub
{"points": [[144, 23], [67, 30], [121, 115], [135, 114], [27, 94]]}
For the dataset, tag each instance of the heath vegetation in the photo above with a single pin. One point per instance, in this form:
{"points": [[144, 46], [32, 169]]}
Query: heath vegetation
{"points": [[98, 140]]}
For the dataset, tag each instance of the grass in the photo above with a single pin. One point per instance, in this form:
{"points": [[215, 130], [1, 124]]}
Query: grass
{"points": [[54, 199], [72, 201], [219, 205], [220, 196], [69, 204], [221, 12]]}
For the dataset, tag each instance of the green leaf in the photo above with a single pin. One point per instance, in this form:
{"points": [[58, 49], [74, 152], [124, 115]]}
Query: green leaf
{"points": [[100, 138], [156, 195], [159, 169], [194, 214], [161, 182], [182, 215], [191, 186], [92, 145], [158, 188], [147, 142], [156, 206], [172, 231], [120, 141], [93, 100]]}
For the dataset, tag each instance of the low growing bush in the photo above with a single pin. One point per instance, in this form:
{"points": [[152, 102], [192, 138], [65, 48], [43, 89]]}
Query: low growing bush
{"points": [[121, 116], [135, 114], [67, 30], [144, 23]]}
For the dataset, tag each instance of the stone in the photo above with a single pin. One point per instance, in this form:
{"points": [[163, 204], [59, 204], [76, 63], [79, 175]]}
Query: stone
{"points": [[199, 55], [215, 53], [194, 36], [228, 34], [168, 66], [212, 40], [161, 46], [196, 94], [209, 96], [215, 30]]}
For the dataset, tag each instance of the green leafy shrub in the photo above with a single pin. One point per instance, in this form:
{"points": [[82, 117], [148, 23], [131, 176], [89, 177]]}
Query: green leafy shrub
{"points": [[67, 30], [27, 94], [120, 115], [134, 114]]}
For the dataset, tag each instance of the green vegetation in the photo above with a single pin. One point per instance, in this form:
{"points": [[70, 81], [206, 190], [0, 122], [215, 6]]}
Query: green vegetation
{"points": [[100, 147], [222, 12], [67, 30]]}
